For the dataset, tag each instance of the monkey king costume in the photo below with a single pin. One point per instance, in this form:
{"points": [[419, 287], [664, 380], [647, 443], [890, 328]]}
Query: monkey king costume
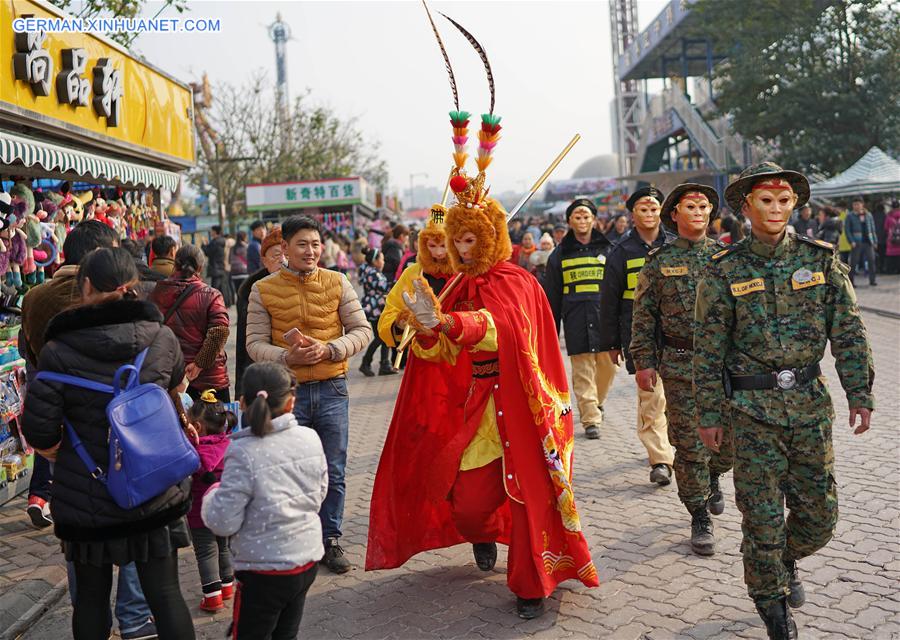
{"points": [[490, 444]]}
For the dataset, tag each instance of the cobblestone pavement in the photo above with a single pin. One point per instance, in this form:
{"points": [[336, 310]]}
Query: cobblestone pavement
{"points": [[652, 587]]}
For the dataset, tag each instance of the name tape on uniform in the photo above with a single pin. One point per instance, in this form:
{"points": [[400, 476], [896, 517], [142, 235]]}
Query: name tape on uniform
{"points": [[808, 279], [743, 288], [674, 271]]}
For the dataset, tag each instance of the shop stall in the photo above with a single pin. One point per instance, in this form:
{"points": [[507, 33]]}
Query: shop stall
{"points": [[342, 205], [87, 131]]}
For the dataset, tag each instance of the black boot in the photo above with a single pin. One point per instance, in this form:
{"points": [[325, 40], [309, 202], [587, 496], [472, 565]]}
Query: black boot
{"points": [[529, 608], [485, 555], [661, 474], [386, 369], [703, 542], [797, 596], [366, 369], [780, 623], [334, 557], [716, 501]]}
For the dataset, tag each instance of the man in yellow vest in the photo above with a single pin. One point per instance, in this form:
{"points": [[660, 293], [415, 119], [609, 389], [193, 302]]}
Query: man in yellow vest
{"points": [[311, 321]]}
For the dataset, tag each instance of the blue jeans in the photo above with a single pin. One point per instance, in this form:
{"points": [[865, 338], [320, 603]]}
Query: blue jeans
{"points": [[132, 610], [324, 406]]}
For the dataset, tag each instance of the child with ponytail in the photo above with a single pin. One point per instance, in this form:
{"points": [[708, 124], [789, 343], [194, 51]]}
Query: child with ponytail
{"points": [[274, 482], [209, 420]]}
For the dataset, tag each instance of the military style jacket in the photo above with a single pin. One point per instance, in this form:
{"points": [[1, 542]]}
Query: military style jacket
{"points": [[572, 284], [664, 306], [763, 308], [623, 263]]}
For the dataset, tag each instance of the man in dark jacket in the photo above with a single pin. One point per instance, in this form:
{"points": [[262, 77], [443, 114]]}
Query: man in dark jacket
{"points": [[393, 249], [572, 284], [273, 260], [148, 276], [254, 249], [215, 258], [623, 264], [863, 237]]}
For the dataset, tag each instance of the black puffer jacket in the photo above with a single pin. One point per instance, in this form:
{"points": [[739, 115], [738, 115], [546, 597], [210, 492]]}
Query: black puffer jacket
{"points": [[93, 342], [573, 266]]}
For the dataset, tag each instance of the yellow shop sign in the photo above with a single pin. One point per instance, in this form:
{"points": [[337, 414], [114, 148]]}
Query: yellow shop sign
{"points": [[89, 89]]}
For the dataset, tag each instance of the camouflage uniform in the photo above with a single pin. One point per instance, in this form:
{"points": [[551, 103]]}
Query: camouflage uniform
{"points": [[662, 330], [763, 309]]}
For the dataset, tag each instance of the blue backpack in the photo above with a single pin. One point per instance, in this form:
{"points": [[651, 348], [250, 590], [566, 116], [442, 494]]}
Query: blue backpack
{"points": [[148, 451]]}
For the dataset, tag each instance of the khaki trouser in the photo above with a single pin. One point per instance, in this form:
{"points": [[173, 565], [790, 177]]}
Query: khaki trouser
{"points": [[651, 425], [592, 376]]}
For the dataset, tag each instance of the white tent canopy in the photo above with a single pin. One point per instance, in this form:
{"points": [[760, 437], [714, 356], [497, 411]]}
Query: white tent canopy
{"points": [[875, 172]]}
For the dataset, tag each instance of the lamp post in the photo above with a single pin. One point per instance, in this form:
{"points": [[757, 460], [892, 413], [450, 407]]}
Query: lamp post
{"points": [[218, 161], [412, 177]]}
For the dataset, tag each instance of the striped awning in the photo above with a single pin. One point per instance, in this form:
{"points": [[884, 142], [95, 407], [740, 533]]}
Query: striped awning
{"points": [[875, 172], [54, 159]]}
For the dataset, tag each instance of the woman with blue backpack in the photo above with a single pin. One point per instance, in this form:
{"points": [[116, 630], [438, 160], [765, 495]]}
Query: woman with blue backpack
{"points": [[121, 485]]}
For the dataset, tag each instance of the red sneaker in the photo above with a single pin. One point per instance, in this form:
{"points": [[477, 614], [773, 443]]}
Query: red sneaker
{"points": [[212, 602], [227, 590], [38, 510]]}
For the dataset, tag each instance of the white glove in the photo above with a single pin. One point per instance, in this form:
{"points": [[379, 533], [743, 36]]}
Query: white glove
{"points": [[422, 306]]}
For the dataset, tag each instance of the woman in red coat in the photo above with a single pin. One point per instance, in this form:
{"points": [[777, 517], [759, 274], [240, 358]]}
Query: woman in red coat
{"points": [[196, 313]]}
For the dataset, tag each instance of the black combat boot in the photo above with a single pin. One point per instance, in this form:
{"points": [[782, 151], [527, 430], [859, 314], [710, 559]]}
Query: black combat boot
{"points": [[485, 555], [797, 596], [703, 542], [334, 557], [716, 501], [780, 623], [366, 369], [528, 608]]}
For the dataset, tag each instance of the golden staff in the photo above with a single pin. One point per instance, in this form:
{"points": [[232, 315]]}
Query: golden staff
{"points": [[407, 332]]}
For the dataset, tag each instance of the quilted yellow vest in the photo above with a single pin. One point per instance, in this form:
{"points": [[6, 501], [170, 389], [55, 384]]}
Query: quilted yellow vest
{"points": [[310, 305]]}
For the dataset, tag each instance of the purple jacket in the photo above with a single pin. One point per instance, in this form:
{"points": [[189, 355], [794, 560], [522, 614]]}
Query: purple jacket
{"points": [[212, 462]]}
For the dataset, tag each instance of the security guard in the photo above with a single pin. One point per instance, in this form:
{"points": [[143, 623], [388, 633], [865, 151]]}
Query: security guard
{"points": [[572, 284], [623, 264], [766, 309], [662, 340]]}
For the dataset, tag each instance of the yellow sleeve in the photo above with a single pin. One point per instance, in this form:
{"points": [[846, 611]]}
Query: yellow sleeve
{"points": [[489, 341], [444, 350], [393, 303]]}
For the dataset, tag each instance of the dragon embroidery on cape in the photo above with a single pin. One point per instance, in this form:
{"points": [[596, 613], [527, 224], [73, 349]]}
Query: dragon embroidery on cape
{"points": [[549, 405]]}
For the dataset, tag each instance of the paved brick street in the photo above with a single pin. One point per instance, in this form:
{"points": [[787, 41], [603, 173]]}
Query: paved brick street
{"points": [[652, 585]]}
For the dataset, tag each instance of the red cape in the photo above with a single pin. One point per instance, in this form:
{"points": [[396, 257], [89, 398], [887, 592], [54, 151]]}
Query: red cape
{"points": [[409, 510]]}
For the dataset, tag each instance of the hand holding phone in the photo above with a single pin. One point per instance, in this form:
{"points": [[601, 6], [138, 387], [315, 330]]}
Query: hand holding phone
{"points": [[294, 337]]}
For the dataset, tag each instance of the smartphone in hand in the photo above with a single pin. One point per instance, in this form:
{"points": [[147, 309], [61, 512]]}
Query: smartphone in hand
{"points": [[294, 336]]}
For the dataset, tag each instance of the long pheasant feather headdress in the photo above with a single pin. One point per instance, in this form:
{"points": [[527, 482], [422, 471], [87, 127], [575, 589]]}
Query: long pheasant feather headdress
{"points": [[469, 192]]}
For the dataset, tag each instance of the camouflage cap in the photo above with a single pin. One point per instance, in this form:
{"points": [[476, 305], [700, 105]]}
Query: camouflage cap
{"points": [[737, 190], [674, 198]]}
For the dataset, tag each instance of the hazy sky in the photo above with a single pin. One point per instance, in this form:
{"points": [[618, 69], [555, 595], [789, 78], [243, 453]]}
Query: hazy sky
{"points": [[379, 62]]}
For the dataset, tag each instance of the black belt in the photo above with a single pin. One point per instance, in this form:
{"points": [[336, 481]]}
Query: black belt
{"points": [[682, 344], [784, 379]]}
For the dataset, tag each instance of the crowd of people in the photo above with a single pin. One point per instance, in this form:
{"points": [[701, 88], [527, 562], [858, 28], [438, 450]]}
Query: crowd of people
{"points": [[263, 506]]}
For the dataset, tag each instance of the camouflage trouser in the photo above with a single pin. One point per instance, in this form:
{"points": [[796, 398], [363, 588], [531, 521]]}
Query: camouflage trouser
{"points": [[693, 462], [776, 465]]}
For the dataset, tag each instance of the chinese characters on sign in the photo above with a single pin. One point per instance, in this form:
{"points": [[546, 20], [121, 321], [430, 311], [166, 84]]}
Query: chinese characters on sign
{"points": [[330, 192], [316, 193], [108, 91], [33, 64], [71, 87]]}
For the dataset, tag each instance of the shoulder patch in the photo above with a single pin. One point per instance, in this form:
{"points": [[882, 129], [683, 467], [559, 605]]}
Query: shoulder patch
{"points": [[724, 252], [814, 242]]}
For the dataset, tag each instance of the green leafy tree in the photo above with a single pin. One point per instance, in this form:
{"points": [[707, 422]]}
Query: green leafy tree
{"points": [[817, 87], [116, 9], [253, 145]]}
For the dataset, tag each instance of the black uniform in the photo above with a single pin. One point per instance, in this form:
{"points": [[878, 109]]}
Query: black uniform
{"points": [[572, 282], [623, 264]]}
